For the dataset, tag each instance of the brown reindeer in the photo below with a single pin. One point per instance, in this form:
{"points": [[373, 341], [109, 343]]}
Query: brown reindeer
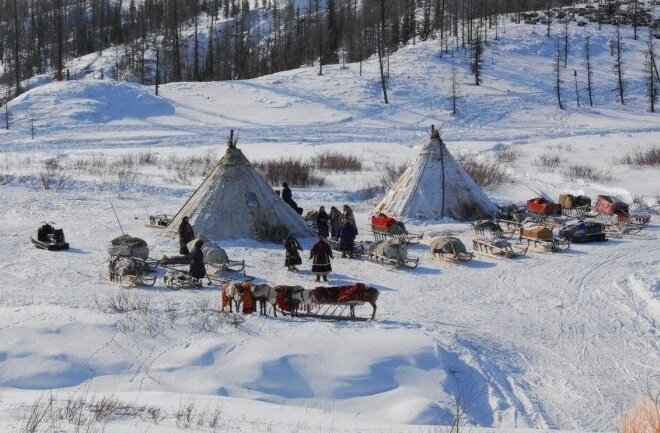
{"points": [[233, 291]]}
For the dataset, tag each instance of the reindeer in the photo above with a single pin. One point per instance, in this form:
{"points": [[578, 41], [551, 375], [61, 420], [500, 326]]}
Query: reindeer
{"points": [[294, 296], [233, 291], [265, 294]]}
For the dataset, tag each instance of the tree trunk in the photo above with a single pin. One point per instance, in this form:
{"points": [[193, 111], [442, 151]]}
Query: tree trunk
{"points": [[558, 76], [587, 46]]}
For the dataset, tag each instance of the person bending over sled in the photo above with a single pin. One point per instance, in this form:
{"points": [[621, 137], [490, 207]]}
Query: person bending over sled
{"points": [[197, 268]]}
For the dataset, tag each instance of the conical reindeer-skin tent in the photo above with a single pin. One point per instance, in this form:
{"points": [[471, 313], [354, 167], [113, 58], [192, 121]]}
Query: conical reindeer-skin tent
{"points": [[236, 202], [436, 186]]}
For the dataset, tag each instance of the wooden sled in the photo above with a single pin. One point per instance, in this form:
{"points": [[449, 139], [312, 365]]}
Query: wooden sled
{"points": [[498, 249], [409, 263], [330, 311], [179, 279], [361, 248], [142, 272], [545, 245], [158, 221]]}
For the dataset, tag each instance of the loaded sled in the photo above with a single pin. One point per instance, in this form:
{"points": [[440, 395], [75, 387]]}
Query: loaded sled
{"points": [[329, 303], [616, 218], [450, 249], [129, 262], [180, 279], [486, 229], [575, 206], [392, 253], [542, 206], [159, 221], [47, 237], [540, 238], [384, 227], [360, 249]]}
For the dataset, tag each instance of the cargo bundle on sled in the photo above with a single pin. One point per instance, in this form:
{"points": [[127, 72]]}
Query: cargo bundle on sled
{"points": [[384, 227], [450, 249]]}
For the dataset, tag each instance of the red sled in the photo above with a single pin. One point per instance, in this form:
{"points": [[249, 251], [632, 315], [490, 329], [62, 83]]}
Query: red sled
{"points": [[608, 205], [382, 222], [541, 206]]}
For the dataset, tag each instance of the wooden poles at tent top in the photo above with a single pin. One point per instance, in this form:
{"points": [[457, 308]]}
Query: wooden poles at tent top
{"points": [[232, 142]]}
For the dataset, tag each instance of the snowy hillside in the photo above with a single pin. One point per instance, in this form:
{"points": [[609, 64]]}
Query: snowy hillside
{"points": [[550, 341]]}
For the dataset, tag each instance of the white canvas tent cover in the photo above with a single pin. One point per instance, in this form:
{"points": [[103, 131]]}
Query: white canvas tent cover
{"points": [[236, 202], [436, 186]]}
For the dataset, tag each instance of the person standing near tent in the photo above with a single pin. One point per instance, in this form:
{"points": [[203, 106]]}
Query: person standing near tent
{"points": [[186, 234], [335, 222], [347, 234], [348, 214], [197, 268], [322, 223], [292, 247], [321, 253]]}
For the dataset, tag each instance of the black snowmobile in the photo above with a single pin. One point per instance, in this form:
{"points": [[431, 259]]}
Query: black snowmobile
{"points": [[582, 232], [49, 238]]}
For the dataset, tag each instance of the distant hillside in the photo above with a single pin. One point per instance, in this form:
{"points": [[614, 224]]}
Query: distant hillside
{"points": [[176, 40]]}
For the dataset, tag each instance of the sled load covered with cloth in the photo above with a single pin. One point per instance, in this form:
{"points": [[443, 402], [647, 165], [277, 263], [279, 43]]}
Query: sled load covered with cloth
{"points": [[129, 261], [450, 249], [392, 253], [332, 303], [384, 227], [47, 237]]}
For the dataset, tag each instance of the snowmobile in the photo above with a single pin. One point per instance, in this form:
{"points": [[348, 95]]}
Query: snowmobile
{"points": [[582, 232], [49, 238]]}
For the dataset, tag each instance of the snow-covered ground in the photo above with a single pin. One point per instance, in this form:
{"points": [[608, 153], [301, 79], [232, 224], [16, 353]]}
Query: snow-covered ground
{"points": [[544, 342]]}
